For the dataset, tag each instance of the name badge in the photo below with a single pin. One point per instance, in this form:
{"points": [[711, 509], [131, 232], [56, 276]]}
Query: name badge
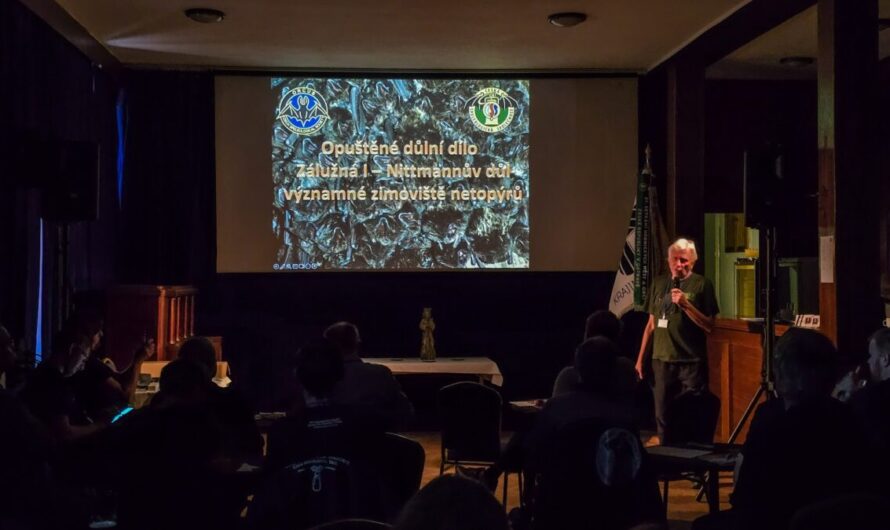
{"points": [[663, 323]]}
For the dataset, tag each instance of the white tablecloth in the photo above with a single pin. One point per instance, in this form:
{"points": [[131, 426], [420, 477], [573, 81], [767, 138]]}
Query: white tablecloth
{"points": [[483, 367]]}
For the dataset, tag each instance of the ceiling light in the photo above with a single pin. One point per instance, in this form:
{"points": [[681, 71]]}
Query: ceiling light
{"points": [[797, 61], [205, 15], [566, 20], [883, 23]]}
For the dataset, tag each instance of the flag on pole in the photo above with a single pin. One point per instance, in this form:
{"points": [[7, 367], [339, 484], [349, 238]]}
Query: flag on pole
{"points": [[622, 299], [645, 248]]}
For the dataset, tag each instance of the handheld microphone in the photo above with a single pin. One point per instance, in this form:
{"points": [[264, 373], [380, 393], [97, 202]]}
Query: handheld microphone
{"points": [[675, 284]]}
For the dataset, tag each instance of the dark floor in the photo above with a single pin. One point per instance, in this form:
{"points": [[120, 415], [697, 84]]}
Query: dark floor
{"points": [[682, 506]]}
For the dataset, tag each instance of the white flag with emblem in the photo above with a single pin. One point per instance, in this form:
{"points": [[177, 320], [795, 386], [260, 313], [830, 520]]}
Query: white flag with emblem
{"points": [[622, 299]]}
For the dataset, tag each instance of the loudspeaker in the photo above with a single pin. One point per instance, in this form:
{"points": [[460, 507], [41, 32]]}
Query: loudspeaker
{"points": [[766, 190], [29, 158], [71, 190]]}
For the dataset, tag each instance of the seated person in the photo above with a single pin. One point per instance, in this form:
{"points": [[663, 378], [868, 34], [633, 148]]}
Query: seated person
{"points": [[322, 442], [176, 441], [49, 394], [803, 447], [12, 375], [7, 355], [452, 502], [605, 324], [593, 474], [100, 388], [242, 441], [871, 404], [24, 458], [370, 387], [594, 397], [318, 426]]}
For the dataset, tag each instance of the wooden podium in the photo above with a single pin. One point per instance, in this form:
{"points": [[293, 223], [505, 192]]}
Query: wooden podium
{"points": [[165, 313]]}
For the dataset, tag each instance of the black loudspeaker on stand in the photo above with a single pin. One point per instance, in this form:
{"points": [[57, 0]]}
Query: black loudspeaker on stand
{"points": [[71, 189], [765, 189], [69, 194]]}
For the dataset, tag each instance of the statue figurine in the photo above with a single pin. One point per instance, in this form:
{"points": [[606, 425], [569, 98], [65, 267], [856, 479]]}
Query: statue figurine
{"points": [[427, 343]]}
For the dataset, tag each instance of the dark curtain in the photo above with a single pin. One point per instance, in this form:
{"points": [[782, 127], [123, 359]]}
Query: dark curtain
{"points": [[48, 91], [167, 218]]}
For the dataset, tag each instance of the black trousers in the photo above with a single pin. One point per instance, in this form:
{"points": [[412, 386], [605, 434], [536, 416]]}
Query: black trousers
{"points": [[673, 379]]}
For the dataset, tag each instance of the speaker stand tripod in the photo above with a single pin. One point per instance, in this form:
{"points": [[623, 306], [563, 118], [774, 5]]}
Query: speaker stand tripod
{"points": [[766, 387]]}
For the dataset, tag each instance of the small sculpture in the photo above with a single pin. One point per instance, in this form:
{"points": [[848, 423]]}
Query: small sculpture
{"points": [[427, 343]]}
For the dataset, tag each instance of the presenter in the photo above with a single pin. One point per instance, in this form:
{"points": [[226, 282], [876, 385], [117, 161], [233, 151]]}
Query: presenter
{"points": [[681, 310]]}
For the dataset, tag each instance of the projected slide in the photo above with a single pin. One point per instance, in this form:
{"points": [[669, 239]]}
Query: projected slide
{"points": [[399, 174]]}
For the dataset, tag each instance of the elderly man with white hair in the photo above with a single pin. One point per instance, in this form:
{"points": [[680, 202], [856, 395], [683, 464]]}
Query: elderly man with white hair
{"points": [[681, 308]]}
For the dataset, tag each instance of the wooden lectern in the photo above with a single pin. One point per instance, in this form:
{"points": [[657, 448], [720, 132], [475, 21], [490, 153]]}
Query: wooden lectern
{"points": [[165, 313]]}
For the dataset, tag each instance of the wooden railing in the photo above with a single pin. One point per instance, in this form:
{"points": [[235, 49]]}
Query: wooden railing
{"points": [[165, 313]]}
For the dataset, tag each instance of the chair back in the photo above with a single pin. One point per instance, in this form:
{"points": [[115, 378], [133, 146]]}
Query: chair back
{"points": [[594, 474], [470, 415], [692, 418], [401, 461]]}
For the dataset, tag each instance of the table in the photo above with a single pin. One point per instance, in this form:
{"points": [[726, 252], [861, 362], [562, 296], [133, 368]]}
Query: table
{"points": [[143, 395], [483, 367], [667, 459], [153, 368], [530, 406]]}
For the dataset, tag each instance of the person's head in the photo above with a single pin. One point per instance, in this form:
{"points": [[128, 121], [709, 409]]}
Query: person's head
{"points": [[70, 350], [319, 367], [7, 350], [681, 258], [805, 365], [602, 323], [595, 361], [182, 380], [87, 323], [879, 355], [451, 502], [200, 351], [345, 335]]}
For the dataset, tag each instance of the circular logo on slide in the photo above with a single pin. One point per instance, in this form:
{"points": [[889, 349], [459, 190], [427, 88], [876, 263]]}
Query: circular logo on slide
{"points": [[491, 109], [302, 110]]}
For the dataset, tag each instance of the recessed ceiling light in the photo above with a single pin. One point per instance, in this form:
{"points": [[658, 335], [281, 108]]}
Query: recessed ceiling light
{"points": [[205, 15], [797, 61], [566, 20]]}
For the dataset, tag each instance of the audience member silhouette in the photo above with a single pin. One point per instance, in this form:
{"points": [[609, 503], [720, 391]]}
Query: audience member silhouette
{"points": [[601, 323], [369, 387], [242, 441], [871, 405], [595, 396], [7, 357], [452, 502], [594, 474], [25, 485], [50, 394], [19, 363], [174, 445], [805, 446], [321, 457]]}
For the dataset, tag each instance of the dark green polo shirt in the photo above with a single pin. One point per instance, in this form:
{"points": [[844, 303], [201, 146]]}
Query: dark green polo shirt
{"points": [[682, 340]]}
